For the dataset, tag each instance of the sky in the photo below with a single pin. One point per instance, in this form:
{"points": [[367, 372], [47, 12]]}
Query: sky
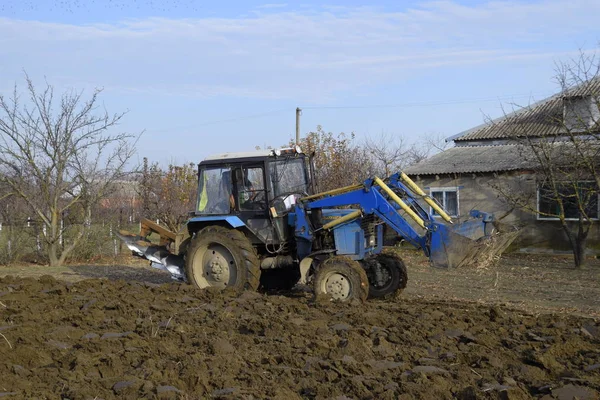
{"points": [[199, 78]]}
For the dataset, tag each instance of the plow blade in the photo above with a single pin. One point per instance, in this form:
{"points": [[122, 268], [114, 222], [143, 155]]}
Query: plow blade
{"points": [[476, 243], [158, 255]]}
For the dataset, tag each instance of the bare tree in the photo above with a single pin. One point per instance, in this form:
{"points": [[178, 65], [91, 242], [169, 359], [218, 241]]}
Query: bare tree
{"points": [[560, 145], [122, 206], [59, 155], [427, 146], [388, 153], [339, 161], [168, 195]]}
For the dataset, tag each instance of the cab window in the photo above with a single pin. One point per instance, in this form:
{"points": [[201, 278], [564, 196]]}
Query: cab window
{"points": [[250, 188]]}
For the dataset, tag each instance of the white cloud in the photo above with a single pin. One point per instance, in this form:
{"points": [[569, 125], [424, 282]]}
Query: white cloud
{"points": [[307, 55]]}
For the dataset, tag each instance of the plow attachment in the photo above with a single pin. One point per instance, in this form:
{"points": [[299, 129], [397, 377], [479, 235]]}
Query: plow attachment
{"points": [[475, 243], [158, 255]]}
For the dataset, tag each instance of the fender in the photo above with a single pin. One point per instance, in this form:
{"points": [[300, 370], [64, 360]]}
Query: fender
{"points": [[233, 220]]}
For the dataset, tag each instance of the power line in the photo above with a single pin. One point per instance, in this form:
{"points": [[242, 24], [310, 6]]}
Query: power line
{"points": [[375, 106]]}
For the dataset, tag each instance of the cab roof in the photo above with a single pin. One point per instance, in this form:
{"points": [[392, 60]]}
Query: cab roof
{"points": [[239, 154], [249, 155]]}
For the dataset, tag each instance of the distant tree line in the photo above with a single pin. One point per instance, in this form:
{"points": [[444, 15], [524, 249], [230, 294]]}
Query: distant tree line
{"points": [[341, 160]]}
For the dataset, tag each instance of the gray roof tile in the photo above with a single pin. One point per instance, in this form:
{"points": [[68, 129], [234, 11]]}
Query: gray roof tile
{"points": [[472, 159], [543, 118]]}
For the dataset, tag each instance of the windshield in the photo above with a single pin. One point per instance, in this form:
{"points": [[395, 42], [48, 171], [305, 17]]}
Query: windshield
{"points": [[288, 176]]}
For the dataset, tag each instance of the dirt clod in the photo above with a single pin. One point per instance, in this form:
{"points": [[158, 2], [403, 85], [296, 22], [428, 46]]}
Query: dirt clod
{"points": [[430, 370], [570, 392]]}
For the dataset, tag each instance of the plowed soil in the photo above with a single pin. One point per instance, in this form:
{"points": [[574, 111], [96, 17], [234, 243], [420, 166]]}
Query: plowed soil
{"points": [[104, 339]]}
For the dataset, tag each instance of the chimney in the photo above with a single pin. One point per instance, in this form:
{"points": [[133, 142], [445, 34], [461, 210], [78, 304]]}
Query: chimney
{"points": [[580, 113]]}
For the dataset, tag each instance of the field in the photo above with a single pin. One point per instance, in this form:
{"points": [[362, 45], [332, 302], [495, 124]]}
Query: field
{"points": [[525, 328]]}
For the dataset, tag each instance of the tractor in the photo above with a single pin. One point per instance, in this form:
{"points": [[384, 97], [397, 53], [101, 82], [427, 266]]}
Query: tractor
{"points": [[260, 222]]}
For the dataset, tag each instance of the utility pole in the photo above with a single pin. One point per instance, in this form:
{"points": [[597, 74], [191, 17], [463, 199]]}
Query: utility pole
{"points": [[298, 114]]}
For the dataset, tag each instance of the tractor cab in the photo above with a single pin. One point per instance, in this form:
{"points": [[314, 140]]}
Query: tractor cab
{"points": [[255, 189]]}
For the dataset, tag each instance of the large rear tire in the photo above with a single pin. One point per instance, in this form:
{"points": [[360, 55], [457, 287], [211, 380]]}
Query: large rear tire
{"points": [[342, 279], [222, 258], [387, 275]]}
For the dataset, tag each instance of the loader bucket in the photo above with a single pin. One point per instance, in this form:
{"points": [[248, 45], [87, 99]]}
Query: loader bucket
{"points": [[477, 242]]}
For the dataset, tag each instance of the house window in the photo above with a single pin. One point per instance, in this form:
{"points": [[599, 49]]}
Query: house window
{"points": [[447, 198], [573, 196]]}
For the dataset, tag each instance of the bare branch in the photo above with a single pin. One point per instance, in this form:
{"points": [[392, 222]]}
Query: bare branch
{"points": [[60, 156], [565, 158]]}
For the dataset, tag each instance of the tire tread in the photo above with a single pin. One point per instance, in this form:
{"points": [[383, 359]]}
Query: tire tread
{"points": [[363, 290], [243, 245]]}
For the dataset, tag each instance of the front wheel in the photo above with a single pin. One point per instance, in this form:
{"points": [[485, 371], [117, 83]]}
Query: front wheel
{"points": [[342, 279], [387, 275], [222, 258]]}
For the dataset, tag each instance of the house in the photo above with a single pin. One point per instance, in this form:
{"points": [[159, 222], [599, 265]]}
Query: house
{"points": [[497, 158]]}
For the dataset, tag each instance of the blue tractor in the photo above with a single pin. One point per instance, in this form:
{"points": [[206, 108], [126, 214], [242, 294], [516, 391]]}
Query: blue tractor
{"points": [[259, 222]]}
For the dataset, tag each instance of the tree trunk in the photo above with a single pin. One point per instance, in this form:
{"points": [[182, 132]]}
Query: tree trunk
{"points": [[53, 257], [51, 237], [578, 242], [579, 252]]}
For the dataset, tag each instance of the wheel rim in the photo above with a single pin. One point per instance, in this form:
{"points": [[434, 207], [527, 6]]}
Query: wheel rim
{"points": [[381, 276], [215, 266], [337, 286]]}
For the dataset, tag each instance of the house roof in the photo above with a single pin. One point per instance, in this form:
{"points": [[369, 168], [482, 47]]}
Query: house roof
{"points": [[543, 118], [124, 188], [472, 159]]}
